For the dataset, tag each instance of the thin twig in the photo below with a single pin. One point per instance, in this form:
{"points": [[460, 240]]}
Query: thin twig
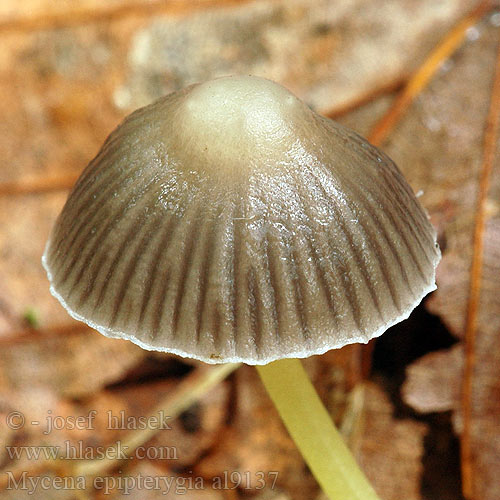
{"points": [[416, 84], [367, 97], [450, 43], [16, 472], [188, 392], [76, 17], [350, 428], [490, 138], [38, 186]]}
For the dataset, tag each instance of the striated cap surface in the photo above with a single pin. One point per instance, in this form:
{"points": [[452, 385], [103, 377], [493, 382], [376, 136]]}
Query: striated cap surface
{"points": [[229, 222]]}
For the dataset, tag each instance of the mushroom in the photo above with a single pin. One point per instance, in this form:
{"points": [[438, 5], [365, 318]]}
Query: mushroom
{"points": [[228, 222]]}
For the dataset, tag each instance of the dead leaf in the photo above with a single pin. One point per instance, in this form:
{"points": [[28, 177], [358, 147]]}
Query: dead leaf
{"points": [[187, 437], [73, 365], [390, 450], [433, 382], [149, 482], [439, 148], [319, 52]]}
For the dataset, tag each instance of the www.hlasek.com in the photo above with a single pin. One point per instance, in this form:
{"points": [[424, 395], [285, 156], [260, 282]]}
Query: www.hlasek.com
{"points": [[127, 484], [78, 451]]}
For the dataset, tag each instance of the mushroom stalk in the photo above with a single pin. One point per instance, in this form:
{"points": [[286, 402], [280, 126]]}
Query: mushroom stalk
{"points": [[313, 431]]}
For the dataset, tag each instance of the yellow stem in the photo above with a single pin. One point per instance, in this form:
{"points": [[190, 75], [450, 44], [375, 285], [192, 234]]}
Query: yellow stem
{"points": [[313, 431]]}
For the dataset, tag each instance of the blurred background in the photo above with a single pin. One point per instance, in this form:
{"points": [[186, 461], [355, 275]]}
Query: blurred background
{"points": [[71, 70]]}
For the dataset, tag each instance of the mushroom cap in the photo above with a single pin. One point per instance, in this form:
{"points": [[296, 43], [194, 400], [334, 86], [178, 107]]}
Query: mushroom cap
{"points": [[229, 222]]}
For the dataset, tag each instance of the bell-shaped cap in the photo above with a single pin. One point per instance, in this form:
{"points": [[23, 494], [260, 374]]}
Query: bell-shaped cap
{"points": [[229, 222]]}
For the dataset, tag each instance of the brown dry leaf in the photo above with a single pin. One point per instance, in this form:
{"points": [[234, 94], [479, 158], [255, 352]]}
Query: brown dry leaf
{"points": [[318, 50], [11, 11], [272, 495], [62, 84], [35, 378], [433, 382], [68, 365], [115, 414], [29, 452], [58, 85], [390, 450], [24, 227], [149, 482], [439, 148], [188, 437], [41, 487]]}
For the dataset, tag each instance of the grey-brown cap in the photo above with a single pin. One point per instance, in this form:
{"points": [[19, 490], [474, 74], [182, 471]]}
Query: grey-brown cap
{"points": [[229, 222]]}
